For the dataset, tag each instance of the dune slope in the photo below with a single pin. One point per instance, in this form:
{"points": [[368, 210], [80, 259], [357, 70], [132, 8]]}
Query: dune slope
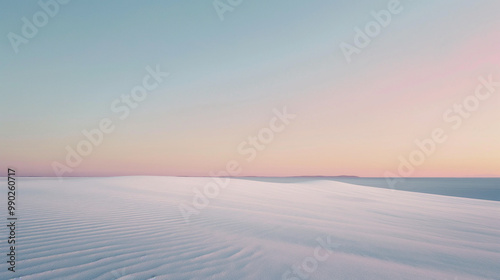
{"points": [[132, 228]]}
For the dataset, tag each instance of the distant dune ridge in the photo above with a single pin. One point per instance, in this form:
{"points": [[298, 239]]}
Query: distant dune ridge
{"points": [[131, 228]]}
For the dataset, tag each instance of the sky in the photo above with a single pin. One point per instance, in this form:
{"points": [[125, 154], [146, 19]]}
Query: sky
{"points": [[362, 92]]}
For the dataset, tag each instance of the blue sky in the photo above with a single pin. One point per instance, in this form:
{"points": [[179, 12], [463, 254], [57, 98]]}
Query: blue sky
{"points": [[226, 77]]}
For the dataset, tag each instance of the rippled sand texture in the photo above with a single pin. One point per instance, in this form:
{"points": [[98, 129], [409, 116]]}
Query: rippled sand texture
{"points": [[131, 228]]}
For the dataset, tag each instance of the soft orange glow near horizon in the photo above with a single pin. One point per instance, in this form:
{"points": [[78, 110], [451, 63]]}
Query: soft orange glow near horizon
{"points": [[425, 74]]}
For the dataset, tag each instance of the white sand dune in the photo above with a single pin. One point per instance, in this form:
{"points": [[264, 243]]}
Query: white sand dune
{"points": [[131, 228]]}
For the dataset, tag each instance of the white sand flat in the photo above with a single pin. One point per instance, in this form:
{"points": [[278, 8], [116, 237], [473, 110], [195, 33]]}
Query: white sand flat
{"points": [[131, 228]]}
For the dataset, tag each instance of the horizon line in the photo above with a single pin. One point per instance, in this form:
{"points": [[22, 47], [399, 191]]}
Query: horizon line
{"points": [[255, 176]]}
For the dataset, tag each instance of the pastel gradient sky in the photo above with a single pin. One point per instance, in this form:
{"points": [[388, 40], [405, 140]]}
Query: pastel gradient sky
{"points": [[226, 77]]}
